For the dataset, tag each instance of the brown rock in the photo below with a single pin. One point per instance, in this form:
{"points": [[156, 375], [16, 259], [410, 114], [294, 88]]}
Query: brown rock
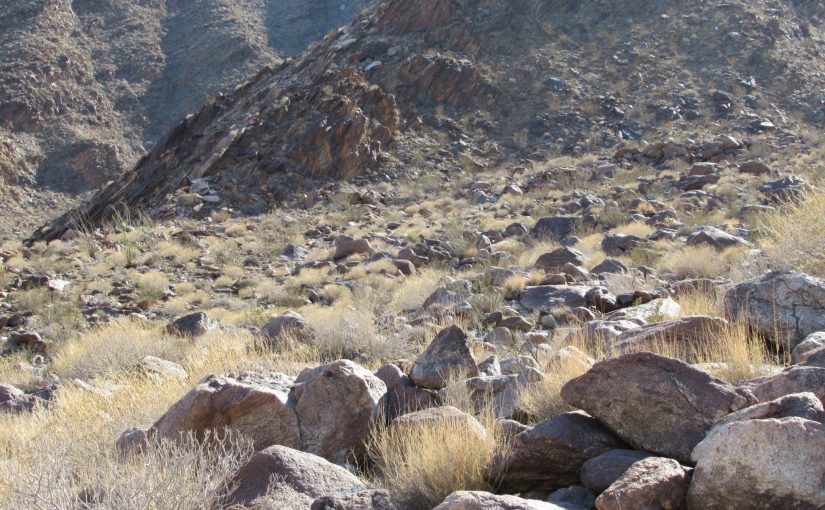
{"points": [[448, 355], [649, 484], [655, 403], [795, 379], [250, 404]]}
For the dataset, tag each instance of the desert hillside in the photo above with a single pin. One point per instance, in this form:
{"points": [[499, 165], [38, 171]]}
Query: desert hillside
{"points": [[87, 87], [455, 255]]}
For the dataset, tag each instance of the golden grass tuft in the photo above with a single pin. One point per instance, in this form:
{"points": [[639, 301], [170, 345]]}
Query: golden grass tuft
{"points": [[795, 236], [422, 464]]}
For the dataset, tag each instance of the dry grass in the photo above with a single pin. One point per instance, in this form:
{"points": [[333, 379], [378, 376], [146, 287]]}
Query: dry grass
{"points": [[422, 464], [795, 235], [184, 474], [700, 261], [543, 401]]}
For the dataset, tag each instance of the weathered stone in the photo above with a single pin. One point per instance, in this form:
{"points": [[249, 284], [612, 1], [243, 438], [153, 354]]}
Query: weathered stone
{"points": [[796, 405], [785, 306], [574, 497], [548, 297], [716, 238], [402, 395], [192, 325], [805, 348], [760, 464], [371, 499], [289, 325], [555, 227], [335, 404], [687, 336], [280, 478], [448, 355], [600, 472], [620, 244], [476, 500], [655, 403], [649, 484], [250, 404], [556, 259], [663, 308], [550, 455], [795, 379]]}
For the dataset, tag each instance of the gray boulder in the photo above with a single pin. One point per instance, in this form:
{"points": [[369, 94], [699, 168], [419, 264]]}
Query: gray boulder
{"points": [[785, 306], [760, 464], [600, 472], [548, 297], [335, 404], [280, 478], [477, 500]]}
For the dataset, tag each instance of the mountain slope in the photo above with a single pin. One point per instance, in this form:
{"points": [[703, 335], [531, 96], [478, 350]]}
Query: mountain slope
{"points": [[88, 86], [452, 85]]}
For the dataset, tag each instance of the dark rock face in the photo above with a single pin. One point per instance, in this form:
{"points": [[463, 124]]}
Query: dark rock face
{"points": [[655, 403], [550, 455], [600, 472]]}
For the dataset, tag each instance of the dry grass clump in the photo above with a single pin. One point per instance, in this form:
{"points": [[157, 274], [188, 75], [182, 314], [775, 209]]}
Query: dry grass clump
{"points": [[700, 261], [413, 290], [543, 401], [422, 464], [183, 474], [795, 235]]}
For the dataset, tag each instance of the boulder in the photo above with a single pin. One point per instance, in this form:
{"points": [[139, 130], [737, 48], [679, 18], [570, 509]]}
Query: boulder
{"points": [[616, 245], [280, 478], [14, 400], [370, 499], [448, 355], [550, 455], [477, 500], [402, 395], [600, 472], [760, 464], [653, 402], [553, 261], [436, 417], [649, 484], [805, 348], [192, 325], [574, 497], [785, 306], [555, 227], [502, 392], [548, 297], [335, 404], [287, 325], [795, 379], [716, 238], [159, 369], [610, 266], [687, 336], [799, 405], [346, 246], [250, 404], [662, 308]]}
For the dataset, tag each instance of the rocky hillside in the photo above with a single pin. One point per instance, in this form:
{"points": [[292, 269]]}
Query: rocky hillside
{"points": [[88, 86], [446, 86]]}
